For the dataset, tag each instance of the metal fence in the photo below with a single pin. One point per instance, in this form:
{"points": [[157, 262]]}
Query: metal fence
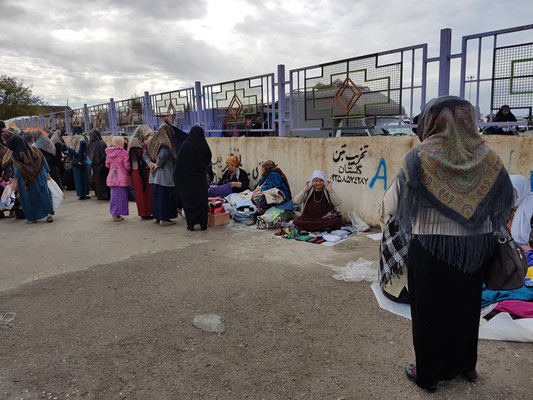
{"points": [[383, 90]]}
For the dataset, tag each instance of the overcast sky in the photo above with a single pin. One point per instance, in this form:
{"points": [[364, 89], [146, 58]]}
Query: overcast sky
{"points": [[88, 51]]}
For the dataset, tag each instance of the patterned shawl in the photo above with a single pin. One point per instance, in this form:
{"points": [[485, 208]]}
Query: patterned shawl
{"points": [[139, 136], [56, 137], [42, 142], [26, 158], [454, 172], [163, 137]]}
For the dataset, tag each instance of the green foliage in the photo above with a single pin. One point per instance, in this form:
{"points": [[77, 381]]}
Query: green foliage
{"points": [[16, 99]]}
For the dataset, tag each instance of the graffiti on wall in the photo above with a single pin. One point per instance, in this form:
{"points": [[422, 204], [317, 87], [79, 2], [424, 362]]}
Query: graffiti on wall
{"points": [[349, 165]]}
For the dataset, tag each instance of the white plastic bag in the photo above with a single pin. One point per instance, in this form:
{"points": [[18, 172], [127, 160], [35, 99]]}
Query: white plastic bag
{"points": [[357, 222], [356, 271], [8, 198], [56, 192]]}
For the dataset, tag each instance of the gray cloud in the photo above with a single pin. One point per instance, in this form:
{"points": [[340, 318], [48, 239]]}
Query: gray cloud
{"points": [[91, 51]]}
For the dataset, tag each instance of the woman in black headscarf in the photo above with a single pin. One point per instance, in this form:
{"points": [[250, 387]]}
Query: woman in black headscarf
{"points": [[96, 153], [194, 159], [504, 114], [31, 174]]}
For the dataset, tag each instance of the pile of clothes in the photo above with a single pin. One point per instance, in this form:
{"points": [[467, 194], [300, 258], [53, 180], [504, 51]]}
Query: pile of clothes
{"points": [[289, 231], [518, 303]]}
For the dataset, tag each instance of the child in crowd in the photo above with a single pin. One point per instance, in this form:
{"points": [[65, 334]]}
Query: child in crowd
{"points": [[118, 179]]}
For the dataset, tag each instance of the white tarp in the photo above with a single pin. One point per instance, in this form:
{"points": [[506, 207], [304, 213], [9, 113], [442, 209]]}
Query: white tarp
{"points": [[500, 327]]}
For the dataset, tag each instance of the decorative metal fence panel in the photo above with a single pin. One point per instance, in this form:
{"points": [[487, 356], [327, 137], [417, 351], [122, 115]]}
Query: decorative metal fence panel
{"points": [[512, 82], [509, 81], [47, 122], [76, 117], [129, 114], [244, 105], [178, 106], [346, 93], [99, 118], [59, 118]]}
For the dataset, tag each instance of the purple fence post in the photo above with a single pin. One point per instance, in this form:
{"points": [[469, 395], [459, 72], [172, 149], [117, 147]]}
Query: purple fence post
{"points": [[148, 115], [112, 115], [53, 122], [68, 128], [86, 122], [281, 100], [198, 98], [444, 61], [41, 122]]}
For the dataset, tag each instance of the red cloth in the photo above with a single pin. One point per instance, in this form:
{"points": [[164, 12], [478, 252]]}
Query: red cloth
{"points": [[143, 199], [519, 308]]}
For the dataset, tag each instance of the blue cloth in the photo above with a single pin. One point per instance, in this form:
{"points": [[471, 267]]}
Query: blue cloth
{"points": [[78, 157], [529, 256], [495, 296], [274, 180], [81, 180], [36, 200]]}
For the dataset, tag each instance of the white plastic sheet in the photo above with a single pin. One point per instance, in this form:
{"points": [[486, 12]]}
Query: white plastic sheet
{"points": [[500, 327]]}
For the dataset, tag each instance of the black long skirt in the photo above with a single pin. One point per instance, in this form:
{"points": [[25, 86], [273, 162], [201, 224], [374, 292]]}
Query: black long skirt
{"points": [[445, 309], [101, 190], [164, 202]]}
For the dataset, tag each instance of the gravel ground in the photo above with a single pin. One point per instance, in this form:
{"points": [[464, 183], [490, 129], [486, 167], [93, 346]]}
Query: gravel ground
{"points": [[123, 330]]}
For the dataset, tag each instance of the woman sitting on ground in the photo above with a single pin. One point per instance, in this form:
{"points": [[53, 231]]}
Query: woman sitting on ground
{"points": [[272, 190], [318, 201], [234, 180]]}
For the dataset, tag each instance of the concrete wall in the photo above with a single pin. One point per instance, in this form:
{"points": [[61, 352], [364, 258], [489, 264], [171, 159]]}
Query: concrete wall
{"points": [[360, 167]]}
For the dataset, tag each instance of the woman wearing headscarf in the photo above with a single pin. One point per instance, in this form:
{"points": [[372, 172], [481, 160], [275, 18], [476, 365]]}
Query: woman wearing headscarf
{"points": [[160, 156], [47, 148], [30, 177], [97, 154], [178, 138], [78, 154], [194, 159], [519, 224], [504, 114], [450, 197], [318, 201], [234, 179], [140, 171], [8, 169], [57, 141]]}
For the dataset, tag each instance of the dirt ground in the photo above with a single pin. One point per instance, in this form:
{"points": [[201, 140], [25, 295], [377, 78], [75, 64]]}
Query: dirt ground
{"points": [[105, 311]]}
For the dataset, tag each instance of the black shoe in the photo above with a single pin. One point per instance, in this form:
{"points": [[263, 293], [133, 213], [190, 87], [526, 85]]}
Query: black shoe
{"points": [[84, 197], [470, 376], [190, 227], [203, 227], [147, 218], [410, 371]]}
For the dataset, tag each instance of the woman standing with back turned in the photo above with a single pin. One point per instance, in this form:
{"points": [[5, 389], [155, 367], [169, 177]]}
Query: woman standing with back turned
{"points": [[452, 194]]}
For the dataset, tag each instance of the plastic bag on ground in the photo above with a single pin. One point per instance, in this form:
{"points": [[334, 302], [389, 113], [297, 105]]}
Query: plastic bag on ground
{"points": [[8, 198], [357, 222], [356, 271]]}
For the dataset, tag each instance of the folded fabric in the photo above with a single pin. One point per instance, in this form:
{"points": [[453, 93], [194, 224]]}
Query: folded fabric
{"points": [[518, 308], [495, 296], [349, 229], [274, 196], [304, 238], [332, 238], [341, 233], [529, 273]]}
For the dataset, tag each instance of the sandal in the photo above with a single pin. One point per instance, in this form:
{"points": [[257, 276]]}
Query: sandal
{"points": [[49, 219], [470, 376]]}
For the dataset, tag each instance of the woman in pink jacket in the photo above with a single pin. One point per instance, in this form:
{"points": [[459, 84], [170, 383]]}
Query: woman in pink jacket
{"points": [[118, 161]]}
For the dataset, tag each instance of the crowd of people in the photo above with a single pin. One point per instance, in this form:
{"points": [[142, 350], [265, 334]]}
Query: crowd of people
{"points": [[440, 216], [169, 173]]}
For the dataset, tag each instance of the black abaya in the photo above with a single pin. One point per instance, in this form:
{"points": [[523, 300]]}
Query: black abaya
{"points": [[194, 157], [178, 138], [445, 309]]}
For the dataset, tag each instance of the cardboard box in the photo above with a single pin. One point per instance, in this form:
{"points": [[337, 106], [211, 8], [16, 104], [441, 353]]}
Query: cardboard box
{"points": [[217, 219]]}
